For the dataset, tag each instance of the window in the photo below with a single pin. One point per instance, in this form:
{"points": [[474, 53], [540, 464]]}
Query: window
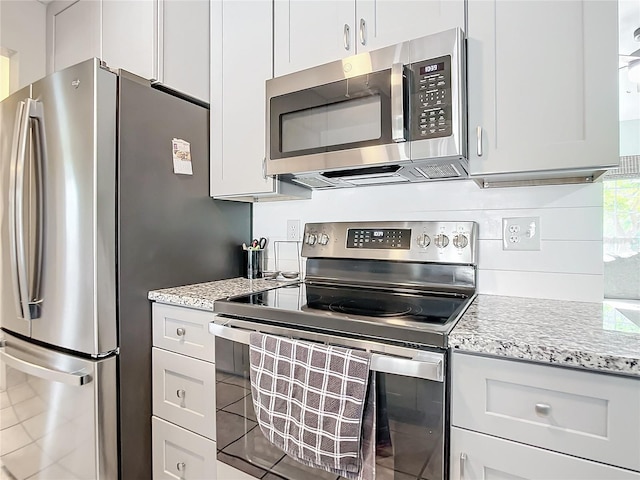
{"points": [[621, 230], [4, 76]]}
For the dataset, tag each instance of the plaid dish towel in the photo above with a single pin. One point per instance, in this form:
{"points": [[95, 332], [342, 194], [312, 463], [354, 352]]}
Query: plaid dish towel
{"points": [[310, 401]]}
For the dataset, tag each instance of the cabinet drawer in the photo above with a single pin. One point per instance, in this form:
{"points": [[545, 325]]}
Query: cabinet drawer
{"points": [[178, 453], [590, 415], [184, 392], [477, 456], [183, 330]]}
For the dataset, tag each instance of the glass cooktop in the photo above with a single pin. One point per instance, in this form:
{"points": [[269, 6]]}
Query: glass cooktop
{"points": [[360, 311]]}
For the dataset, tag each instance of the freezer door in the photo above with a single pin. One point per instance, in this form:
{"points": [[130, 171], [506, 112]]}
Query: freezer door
{"points": [[57, 414], [15, 161], [77, 295]]}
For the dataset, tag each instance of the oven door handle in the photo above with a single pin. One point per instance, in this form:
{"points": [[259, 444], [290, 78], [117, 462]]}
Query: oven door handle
{"points": [[425, 365]]}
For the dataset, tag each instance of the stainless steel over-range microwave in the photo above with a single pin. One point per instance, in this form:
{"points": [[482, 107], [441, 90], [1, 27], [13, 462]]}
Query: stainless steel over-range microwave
{"points": [[397, 114]]}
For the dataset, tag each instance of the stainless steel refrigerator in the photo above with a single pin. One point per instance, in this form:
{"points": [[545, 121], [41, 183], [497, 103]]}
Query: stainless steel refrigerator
{"points": [[92, 217]]}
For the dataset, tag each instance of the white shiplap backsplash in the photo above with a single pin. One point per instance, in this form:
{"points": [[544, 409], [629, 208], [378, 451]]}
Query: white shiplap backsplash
{"points": [[568, 266]]}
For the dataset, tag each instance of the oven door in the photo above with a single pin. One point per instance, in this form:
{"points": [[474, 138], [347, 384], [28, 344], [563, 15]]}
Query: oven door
{"points": [[410, 399], [325, 119]]}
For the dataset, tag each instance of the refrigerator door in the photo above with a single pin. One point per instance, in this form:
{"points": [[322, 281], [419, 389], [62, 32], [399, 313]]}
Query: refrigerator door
{"points": [[58, 414], [15, 169], [77, 107]]}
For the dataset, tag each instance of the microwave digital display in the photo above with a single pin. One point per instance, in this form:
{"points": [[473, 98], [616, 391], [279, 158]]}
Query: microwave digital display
{"points": [[434, 67]]}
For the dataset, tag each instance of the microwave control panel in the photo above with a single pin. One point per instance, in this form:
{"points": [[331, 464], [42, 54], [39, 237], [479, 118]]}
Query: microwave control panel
{"points": [[431, 98]]}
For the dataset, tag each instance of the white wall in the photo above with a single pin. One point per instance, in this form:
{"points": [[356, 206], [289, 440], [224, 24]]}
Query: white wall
{"points": [[568, 266], [22, 30]]}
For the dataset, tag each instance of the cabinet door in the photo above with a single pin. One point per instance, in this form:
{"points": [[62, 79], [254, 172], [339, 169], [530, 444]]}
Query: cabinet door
{"points": [[184, 41], [312, 32], [179, 453], [241, 63], [73, 33], [380, 23], [128, 30], [542, 85], [477, 456], [184, 390]]}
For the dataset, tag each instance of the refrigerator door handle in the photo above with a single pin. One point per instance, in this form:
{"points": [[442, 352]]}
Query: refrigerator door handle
{"points": [[76, 379], [16, 189], [36, 113]]}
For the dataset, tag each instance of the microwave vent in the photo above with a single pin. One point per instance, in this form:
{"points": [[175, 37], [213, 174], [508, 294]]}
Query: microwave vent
{"points": [[439, 171], [313, 182]]}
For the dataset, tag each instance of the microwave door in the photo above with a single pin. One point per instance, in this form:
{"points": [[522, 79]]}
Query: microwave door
{"points": [[352, 122]]}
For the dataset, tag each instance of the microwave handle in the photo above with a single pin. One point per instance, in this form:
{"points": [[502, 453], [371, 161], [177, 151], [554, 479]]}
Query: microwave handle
{"points": [[397, 103]]}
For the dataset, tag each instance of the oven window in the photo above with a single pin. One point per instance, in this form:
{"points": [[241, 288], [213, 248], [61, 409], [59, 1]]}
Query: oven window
{"points": [[409, 433], [336, 124]]}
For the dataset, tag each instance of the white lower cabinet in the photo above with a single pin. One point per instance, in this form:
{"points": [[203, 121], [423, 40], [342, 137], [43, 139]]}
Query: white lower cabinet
{"points": [[179, 453], [477, 456], [512, 419], [184, 404]]}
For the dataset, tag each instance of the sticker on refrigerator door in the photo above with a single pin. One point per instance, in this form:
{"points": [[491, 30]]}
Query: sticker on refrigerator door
{"points": [[181, 157]]}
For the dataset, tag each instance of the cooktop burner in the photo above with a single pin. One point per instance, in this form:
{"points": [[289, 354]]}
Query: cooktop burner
{"points": [[380, 304]]}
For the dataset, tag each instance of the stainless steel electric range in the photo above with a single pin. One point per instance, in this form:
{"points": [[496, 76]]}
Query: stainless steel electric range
{"points": [[395, 289]]}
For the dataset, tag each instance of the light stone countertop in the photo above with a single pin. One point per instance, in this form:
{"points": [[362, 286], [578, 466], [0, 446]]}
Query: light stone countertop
{"points": [[202, 295], [596, 336]]}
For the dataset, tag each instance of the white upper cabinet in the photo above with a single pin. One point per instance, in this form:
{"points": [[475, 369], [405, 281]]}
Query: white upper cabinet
{"points": [[241, 63], [380, 23], [542, 88], [184, 46], [313, 32], [162, 40], [128, 31], [73, 33]]}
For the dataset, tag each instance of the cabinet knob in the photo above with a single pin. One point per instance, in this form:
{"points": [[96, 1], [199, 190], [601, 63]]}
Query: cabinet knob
{"points": [[180, 332], [180, 393], [181, 466], [543, 409]]}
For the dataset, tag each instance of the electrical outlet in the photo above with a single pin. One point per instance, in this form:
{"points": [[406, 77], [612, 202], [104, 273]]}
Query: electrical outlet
{"points": [[293, 230], [521, 233]]}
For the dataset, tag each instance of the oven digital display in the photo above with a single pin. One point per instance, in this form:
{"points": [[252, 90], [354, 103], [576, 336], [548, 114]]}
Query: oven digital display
{"points": [[379, 239]]}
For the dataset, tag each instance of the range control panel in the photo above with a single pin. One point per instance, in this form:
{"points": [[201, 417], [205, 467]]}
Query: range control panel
{"points": [[438, 242], [379, 238], [431, 98]]}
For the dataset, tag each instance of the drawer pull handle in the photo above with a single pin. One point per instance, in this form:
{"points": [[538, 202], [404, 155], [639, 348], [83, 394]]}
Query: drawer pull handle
{"points": [[543, 410], [180, 332], [463, 459], [181, 466], [180, 393]]}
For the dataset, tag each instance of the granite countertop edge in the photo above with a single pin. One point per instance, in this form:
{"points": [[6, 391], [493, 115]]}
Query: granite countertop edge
{"points": [[575, 338], [476, 331]]}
